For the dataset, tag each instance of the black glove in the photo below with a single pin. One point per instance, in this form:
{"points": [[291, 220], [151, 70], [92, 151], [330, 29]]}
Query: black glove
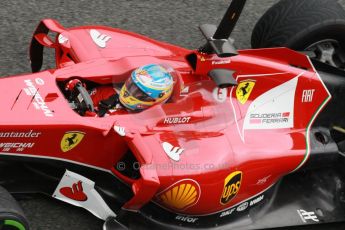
{"points": [[105, 105]]}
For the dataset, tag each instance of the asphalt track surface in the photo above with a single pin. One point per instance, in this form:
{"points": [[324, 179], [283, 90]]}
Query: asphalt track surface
{"points": [[171, 21]]}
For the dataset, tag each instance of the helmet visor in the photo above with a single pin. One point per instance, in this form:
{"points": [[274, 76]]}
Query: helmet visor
{"points": [[134, 91]]}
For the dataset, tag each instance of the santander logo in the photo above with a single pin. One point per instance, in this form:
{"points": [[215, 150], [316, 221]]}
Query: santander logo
{"points": [[75, 192], [98, 38], [80, 191], [172, 151]]}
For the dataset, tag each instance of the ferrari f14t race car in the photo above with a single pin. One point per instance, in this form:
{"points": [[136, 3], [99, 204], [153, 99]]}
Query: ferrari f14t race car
{"points": [[249, 139]]}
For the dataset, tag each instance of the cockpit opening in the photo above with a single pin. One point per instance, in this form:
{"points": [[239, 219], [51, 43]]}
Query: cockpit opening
{"points": [[146, 86]]}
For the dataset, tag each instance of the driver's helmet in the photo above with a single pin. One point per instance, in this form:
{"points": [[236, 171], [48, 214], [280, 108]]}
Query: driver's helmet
{"points": [[147, 86]]}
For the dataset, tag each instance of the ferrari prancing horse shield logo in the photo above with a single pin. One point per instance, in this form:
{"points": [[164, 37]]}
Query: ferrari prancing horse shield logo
{"points": [[244, 89], [70, 140]]}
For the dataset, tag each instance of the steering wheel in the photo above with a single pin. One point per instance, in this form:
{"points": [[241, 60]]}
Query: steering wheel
{"points": [[82, 99]]}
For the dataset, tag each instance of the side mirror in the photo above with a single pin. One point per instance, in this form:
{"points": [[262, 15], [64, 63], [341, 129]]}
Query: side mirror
{"points": [[44, 40], [223, 78]]}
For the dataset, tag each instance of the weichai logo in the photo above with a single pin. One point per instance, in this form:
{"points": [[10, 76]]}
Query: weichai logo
{"points": [[232, 185]]}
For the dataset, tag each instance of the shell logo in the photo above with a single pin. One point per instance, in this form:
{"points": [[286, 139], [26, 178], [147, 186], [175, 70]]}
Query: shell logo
{"points": [[181, 195]]}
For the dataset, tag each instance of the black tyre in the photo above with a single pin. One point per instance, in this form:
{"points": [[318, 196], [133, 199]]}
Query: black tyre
{"points": [[314, 25], [11, 215]]}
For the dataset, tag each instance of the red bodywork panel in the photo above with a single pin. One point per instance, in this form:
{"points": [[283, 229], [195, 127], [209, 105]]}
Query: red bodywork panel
{"points": [[204, 151]]}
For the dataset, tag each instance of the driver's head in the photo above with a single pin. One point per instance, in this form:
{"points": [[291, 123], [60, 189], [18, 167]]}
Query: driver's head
{"points": [[147, 86]]}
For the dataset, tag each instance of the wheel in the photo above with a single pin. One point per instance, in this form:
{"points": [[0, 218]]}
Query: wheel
{"points": [[11, 215], [311, 25]]}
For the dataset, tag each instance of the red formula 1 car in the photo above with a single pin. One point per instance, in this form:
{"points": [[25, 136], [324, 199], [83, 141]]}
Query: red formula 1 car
{"points": [[249, 139]]}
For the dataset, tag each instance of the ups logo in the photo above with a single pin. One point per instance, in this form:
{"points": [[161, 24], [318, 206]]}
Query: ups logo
{"points": [[232, 185]]}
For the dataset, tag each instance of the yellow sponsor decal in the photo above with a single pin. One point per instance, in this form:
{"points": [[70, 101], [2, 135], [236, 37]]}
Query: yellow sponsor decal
{"points": [[232, 186], [130, 100], [70, 140], [243, 91], [141, 72], [180, 195]]}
